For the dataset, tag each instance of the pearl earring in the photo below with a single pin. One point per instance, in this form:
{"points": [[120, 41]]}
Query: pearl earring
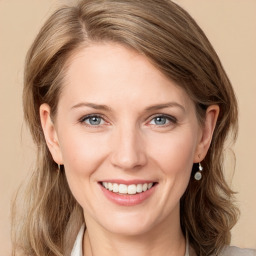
{"points": [[198, 174]]}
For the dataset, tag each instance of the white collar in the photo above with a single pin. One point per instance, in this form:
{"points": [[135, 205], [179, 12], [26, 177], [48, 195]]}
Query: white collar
{"points": [[78, 245]]}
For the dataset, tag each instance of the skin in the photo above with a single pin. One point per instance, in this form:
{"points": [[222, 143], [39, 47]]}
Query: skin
{"points": [[128, 143]]}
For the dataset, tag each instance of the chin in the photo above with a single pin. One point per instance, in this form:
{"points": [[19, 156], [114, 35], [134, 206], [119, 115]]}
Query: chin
{"points": [[129, 224]]}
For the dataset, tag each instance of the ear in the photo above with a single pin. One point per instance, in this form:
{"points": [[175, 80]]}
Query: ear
{"points": [[211, 117], [50, 133]]}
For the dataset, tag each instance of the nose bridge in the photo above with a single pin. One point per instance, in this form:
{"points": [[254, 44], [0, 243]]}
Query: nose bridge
{"points": [[128, 149]]}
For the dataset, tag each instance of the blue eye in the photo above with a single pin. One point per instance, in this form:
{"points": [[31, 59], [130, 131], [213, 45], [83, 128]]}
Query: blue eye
{"points": [[162, 120], [93, 120]]}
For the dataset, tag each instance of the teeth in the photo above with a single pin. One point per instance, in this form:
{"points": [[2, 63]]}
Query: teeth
{"points": [[115, 187], [145, 187], [127, 189], [139, 188], [123, 189], [105, 184], [150, 185], [132, 189], [110, 186]]}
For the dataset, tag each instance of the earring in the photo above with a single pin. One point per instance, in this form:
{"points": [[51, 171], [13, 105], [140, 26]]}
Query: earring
{"points": [[59, 168], [198, 174]]}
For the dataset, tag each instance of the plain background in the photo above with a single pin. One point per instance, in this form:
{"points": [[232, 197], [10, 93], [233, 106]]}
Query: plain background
{"points": [[231, 27]]}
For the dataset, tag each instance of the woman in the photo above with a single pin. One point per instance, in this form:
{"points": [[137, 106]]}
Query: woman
{"points": [[130, 107]]}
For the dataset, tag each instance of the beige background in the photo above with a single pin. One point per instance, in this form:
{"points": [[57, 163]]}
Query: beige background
{"points": [[230, 26]]}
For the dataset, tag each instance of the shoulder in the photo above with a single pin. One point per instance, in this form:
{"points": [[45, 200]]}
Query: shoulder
{"points": [[235, 251]]}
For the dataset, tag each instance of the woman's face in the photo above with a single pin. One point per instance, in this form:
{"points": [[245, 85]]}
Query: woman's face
{"points": [[122, 125]]}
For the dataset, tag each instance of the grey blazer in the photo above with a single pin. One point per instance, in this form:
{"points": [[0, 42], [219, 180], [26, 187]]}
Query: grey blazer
{"points": [[235, 251], [230, 251]]}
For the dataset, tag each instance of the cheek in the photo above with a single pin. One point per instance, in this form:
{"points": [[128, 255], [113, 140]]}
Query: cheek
{"points": [[81, 153], [175, 152]]}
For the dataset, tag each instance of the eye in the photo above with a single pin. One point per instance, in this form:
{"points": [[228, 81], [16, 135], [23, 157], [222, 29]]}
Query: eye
{"points": [[93, 120], [162, 120]]}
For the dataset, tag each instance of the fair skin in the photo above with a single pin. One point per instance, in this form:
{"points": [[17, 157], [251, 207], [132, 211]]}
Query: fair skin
{"points": [[142, 129]]}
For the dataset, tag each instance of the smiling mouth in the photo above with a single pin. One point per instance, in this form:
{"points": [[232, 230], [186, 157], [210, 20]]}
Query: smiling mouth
{"points": [[123, 189]]}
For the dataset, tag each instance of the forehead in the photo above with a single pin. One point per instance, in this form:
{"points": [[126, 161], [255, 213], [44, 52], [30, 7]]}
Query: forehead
{"points": [[108, 72]]}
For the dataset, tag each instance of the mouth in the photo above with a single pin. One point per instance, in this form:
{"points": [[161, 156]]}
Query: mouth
{"points": [[128, 193], [127, 189]]}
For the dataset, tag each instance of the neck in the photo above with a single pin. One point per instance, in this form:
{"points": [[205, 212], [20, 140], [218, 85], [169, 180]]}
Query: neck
{"points": [[165, 239]]}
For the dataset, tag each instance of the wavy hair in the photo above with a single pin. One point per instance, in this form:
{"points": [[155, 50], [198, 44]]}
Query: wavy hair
{"points": [[170, 38]]}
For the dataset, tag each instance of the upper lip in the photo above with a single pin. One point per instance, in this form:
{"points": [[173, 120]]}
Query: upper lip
{"points": [[128, 182]]}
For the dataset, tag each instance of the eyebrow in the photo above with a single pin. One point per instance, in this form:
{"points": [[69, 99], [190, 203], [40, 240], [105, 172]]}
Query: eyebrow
{"points": [[148, 109], [92, 105], [164, 105]]}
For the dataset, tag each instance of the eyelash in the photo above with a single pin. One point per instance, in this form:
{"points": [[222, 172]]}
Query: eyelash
{"points": [[170, 119]]}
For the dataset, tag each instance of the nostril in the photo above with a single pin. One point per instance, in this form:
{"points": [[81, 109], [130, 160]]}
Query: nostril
{"points": [[128, 160]]}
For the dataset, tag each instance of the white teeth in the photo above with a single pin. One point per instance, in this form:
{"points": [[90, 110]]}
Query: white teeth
{"points": [[110, 186], [115, 187], [132, 189], [122, 189], [127, 189], [145, 187], [139, 188]]}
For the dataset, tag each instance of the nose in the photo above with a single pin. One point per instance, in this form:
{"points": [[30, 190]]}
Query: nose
{"points": [[128, 149]]}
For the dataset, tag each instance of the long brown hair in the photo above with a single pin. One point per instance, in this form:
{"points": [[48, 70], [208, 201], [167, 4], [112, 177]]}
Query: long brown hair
{"points": [[174, 43]]}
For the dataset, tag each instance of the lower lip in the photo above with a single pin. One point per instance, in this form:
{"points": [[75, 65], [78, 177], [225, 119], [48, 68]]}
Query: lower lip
{"points": [[128, 200]]}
